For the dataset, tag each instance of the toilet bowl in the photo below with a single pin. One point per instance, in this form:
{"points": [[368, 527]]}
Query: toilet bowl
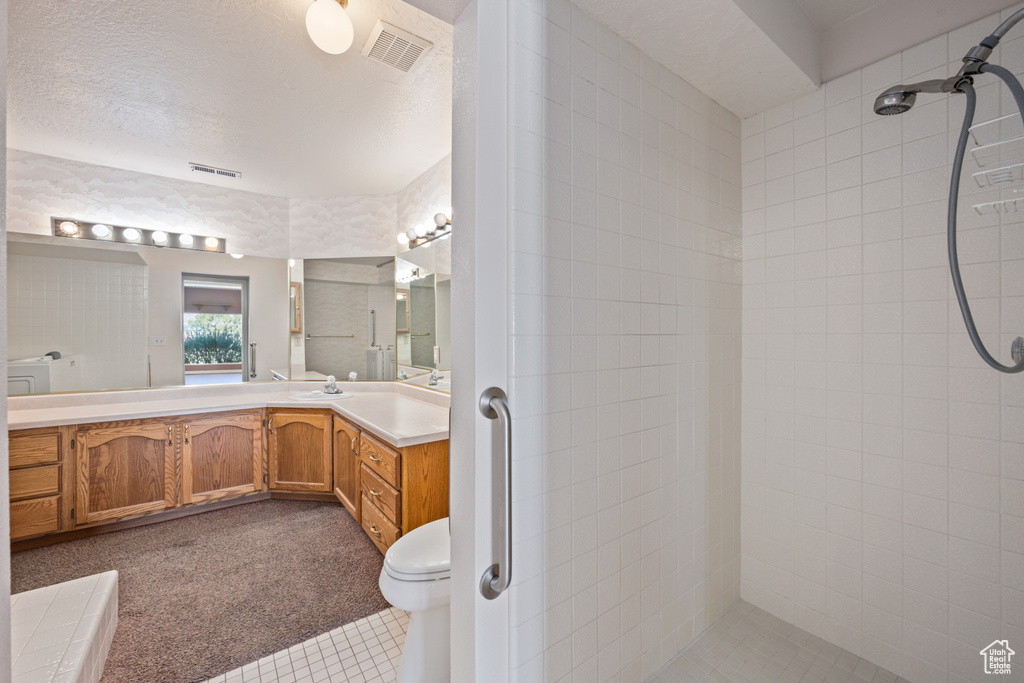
{"points": [[416, 578]]}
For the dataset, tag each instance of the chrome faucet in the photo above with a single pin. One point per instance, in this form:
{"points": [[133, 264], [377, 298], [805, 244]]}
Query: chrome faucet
{"points": [[331, 387], [433, 378]]}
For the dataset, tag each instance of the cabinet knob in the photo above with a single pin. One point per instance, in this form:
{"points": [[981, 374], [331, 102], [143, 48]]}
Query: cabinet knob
{"points": [[374, 530]]}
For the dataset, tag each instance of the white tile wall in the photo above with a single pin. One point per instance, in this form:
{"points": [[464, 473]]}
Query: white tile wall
{"points": [[76, 306], [881, 470], [625, 267]]}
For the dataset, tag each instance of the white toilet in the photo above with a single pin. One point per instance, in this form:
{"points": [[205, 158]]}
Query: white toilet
{"points": [[416, 578]]}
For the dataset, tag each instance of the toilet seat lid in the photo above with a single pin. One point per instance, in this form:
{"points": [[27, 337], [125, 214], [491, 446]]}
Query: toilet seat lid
{"points": [[422, 554]]}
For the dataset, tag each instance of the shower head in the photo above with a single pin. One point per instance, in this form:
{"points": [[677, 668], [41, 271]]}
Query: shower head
{"points": [[895, 102], [900, 98]]}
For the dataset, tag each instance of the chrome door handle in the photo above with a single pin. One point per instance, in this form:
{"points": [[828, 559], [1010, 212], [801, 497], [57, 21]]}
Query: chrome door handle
{"points": [[494, 582], [252, 360]]}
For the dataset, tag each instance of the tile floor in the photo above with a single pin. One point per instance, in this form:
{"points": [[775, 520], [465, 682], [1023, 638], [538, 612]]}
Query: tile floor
{"points": [[365, 651], [748, 645]]}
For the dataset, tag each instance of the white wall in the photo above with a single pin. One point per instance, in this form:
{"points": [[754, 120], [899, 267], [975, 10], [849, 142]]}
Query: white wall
{"points": [[39, 187], [883, 485], [5, 513], [625, 229]]}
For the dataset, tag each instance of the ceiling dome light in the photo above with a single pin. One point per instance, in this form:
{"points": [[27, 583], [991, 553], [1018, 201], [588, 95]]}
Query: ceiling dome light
{"points": [[131, 234], [101, 231], [159, 237], [212, 242], [329, 25], [237, 255], [403, 239], [185, 240], [68, 228]]}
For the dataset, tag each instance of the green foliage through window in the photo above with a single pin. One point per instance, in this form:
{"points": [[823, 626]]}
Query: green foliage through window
{"points": [[213, 338]]}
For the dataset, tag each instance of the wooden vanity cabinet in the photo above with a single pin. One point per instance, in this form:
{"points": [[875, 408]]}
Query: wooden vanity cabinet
{"points": [[125, 469], [41, 479], [300, 450], [346, 466], [401, 489], [221, 456]]}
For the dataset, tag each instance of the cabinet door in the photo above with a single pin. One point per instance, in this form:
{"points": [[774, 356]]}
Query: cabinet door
{"points": [[221, 456], [346, 465], [300, 451], [125, 469]]}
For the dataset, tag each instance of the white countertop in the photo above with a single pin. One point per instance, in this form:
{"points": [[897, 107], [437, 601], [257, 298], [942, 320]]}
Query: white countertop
{"points": [[399, 414]]}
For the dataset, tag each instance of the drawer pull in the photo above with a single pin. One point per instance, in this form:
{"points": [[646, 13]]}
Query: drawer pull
{"points": [[186, 435], [375, 459], [354, 444], [170, 435], [374, 530], [375, 492]]}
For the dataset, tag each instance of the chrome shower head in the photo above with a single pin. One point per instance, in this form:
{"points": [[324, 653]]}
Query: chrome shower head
{"points": [[894, 101], [900, 98]]}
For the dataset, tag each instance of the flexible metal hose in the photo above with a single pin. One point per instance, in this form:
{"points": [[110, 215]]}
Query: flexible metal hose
{"points": [[954, 191]]}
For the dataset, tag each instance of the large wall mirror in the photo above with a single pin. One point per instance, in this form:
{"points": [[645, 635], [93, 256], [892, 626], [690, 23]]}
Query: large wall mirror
{"points": [[423, 314], [307, 215]]}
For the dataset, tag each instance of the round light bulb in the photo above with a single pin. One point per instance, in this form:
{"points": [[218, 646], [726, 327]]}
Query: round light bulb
{"points": [[212, 242], [440, 220], [411, 234], [185, 240], [159, 237], [236, 255], [131, 234], [330, 27], [420, 230], [291, 263], [101, 231], [403, 238], [68, 227]]}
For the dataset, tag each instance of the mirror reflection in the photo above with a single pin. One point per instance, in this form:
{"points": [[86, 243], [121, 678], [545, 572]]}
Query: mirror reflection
{"points": [[84, 316], [349, 317], [423, 314]]}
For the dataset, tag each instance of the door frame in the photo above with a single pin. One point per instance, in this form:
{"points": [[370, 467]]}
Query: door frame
{"points": [[479, 331]]}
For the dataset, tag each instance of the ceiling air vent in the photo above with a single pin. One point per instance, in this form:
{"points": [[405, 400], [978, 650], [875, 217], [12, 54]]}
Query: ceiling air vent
{"points": [[391, 45], [213, 170]]}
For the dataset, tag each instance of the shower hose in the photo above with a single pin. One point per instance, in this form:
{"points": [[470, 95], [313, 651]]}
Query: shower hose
{"points": [[967, 88]]}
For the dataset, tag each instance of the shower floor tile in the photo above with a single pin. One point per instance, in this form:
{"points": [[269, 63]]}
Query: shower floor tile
{"points": [[748, 645]]}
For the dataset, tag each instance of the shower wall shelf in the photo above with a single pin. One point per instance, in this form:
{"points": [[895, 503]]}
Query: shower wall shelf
{"points": [[1002, 206], [1000, 176], [998, 141]]}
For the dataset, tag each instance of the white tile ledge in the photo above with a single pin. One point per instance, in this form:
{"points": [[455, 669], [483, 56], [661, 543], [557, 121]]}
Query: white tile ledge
{"points": [[62, 633]]}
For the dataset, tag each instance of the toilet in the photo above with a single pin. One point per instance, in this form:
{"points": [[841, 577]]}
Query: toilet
{"points": [[416, 578]]}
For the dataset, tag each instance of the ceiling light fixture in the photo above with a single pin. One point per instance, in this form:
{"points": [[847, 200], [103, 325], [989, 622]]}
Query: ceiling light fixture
{"points": [[104, 232], [329, 26]]}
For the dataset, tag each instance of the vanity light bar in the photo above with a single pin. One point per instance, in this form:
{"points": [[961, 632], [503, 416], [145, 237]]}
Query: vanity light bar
{"points": [[105, 232]]}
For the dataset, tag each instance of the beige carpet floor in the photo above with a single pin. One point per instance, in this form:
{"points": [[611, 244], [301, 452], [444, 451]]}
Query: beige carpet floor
{"points": [[202, 595]]}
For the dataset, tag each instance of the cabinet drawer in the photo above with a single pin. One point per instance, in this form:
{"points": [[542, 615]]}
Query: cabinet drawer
{"points": [[385, 498], [384, 461], [34, 447], [33, 482], [34, 517], [382, 532]]}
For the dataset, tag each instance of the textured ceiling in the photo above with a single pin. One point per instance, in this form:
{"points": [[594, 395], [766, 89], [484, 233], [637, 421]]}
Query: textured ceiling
{"points": [[826, 14], [713, 45], [150, 86]]}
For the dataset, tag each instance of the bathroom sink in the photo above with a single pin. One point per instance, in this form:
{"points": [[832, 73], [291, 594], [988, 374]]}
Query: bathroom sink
{"points": [[318, 396]]}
